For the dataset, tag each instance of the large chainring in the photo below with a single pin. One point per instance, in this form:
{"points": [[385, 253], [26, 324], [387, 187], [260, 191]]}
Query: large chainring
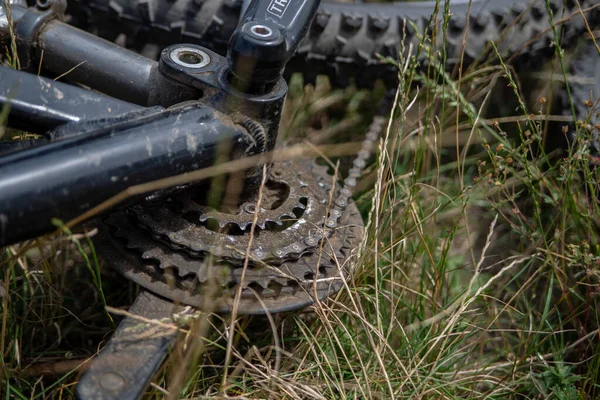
{"points": [[301, 249]]}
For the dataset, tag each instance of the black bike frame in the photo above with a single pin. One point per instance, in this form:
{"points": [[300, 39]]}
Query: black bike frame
{"points": [[190, 110]]}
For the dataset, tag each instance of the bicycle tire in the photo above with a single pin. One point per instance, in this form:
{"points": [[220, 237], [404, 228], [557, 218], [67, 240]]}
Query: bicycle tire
{"points": [[585, 95], [345, 39]]}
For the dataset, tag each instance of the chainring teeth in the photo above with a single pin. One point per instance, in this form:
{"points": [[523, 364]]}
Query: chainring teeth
{"points": [[273, 210], [300, 237], [283, 264], [287, 267]]}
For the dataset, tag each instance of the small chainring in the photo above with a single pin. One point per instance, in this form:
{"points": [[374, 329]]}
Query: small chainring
{"points": [[195, 255]]}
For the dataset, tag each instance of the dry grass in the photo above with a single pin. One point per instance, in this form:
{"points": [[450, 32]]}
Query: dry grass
{"points": [[478, 276]]}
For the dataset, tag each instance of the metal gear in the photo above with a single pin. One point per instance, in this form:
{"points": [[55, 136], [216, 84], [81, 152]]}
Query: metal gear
{"points": [[307, 230], [285, 233]]}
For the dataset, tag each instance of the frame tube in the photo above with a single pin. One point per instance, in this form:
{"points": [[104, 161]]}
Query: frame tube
{"points": [[65, 178], [95, 62], [39, 104]]}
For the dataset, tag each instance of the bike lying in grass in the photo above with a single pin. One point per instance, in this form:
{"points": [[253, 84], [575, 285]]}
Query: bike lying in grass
{"points": [[175, 160]]}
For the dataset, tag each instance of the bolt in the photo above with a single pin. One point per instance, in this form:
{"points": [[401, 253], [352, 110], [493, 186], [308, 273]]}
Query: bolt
{"points": [[189, 57], [261, 31]]}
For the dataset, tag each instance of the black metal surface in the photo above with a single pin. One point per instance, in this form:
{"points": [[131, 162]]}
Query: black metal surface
{"points": [[9, 146], [127, 363], [213, 80], [68, 177], [44, 41], [104, 66], [268, 35], [39, 104], [196, 67], [26, 24], [95, 62]]}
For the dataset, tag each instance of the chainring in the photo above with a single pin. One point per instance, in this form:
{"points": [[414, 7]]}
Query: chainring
{"points": [[195, 255]]}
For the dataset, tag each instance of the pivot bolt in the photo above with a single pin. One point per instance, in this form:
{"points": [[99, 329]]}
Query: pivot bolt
{"points": [[189, 57], [260, 31]]}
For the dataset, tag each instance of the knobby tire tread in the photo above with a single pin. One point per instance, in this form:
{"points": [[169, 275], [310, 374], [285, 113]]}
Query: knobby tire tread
{"points": [[345, 39], [585, 88]]}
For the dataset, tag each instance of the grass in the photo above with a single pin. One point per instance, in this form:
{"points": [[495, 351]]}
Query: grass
{"points": [[478, 277]]}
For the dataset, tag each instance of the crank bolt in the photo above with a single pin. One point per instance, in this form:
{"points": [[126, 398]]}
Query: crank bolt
{"points": [[189, 57]]}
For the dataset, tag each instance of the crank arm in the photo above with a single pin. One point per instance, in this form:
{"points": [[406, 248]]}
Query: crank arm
{"points": [[125, 366]]}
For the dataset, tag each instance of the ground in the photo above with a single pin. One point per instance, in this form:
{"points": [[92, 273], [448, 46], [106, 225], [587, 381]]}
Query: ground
{"points": [[478, 276]]}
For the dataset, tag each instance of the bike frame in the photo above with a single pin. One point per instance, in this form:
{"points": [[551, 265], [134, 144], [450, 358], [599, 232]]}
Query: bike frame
{"points": [[192, 109]]}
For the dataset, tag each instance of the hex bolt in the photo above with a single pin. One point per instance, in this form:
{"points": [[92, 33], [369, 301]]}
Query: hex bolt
{"points": [[259, 31]]}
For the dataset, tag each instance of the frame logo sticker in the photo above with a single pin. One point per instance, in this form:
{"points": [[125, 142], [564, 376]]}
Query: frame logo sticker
{"points": [[278, 7]]}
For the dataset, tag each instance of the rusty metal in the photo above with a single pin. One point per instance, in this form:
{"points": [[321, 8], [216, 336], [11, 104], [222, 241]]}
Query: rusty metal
{"points": [[170, 249], [305, 204], [174, 271]]}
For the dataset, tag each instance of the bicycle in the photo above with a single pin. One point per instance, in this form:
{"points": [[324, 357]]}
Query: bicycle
{"points": [[153, 128]]}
